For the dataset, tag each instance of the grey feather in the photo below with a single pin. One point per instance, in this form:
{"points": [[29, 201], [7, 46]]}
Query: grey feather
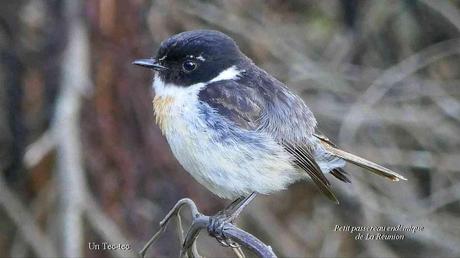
{"points": [[259, 102], [364, 163]]}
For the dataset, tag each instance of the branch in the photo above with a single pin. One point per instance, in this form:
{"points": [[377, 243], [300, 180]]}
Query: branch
{"points": [[36, 151], [70, 177], [40, 243], [200, 222], [389, 79], [104, 225]]}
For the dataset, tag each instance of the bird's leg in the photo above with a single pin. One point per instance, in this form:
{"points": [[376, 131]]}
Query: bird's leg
{"points": [[217, 222], [238, 207], [231, 206]]}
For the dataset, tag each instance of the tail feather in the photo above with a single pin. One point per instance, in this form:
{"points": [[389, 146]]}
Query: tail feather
{"points": [[364, 163], [369, 165], [340, 174]]}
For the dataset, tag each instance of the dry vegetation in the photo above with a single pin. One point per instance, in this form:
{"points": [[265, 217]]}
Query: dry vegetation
{"points": [[82, 160]]}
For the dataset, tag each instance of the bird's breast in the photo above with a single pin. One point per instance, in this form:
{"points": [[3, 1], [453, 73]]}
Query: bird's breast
{"points": [[162, 106], [228, 160]]}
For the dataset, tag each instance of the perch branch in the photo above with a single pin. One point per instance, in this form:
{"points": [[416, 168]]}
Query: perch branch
{"points": [[200, 222]]}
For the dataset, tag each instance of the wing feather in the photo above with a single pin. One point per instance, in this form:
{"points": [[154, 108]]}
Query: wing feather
{"points": [[249, 106], [305, 160]]}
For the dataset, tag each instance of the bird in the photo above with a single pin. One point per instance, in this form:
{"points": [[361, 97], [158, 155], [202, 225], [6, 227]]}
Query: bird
{"points": [[237, 129]]}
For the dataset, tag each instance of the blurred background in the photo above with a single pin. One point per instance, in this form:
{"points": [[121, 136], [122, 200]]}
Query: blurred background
{"points": [[82, 161]]}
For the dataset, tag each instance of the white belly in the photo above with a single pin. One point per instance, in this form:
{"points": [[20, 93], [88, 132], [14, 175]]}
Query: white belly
{"points": [[227, 160]]}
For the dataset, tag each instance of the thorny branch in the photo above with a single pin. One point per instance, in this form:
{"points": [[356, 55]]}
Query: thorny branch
{"points": [[200, 222]]}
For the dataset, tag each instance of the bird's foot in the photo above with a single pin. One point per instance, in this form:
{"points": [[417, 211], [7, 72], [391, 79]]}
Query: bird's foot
{"points": [[216, 228], [218, 222]]}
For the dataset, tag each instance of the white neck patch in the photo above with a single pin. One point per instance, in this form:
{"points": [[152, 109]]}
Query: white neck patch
{"points": [[230, 73], [169, 89]]}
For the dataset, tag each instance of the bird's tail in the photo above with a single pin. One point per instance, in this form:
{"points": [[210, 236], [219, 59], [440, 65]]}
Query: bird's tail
{"points": [[364, 163]]}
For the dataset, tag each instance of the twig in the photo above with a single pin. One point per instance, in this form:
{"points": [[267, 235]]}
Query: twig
{"points": [[200, 222], [353, 118], [104, 225], [39, 242], [164, 224], [446, 9], [36, 151], [239, 252]]}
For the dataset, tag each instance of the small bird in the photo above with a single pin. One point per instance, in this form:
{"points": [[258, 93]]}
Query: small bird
{"points": [[234, 127]]}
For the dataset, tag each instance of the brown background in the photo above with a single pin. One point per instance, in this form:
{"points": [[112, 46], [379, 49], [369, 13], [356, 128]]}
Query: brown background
{"points": [[77, 138]]}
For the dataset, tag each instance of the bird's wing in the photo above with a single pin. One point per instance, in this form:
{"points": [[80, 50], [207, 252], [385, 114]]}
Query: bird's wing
{"points": [[267, 107], [235, 102]]}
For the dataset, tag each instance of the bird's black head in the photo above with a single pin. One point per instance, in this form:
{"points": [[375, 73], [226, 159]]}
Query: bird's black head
{"points": [[193, 56]]}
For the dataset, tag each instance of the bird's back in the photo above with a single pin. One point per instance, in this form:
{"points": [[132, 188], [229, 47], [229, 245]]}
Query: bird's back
{"points": [[256, 101]]}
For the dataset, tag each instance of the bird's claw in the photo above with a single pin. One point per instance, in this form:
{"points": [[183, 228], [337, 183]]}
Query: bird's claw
{"points": [[216, 229], [217, 223]]}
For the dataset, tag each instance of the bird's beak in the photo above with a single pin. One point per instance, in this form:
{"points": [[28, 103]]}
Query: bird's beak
{"points": [[151, 63]]}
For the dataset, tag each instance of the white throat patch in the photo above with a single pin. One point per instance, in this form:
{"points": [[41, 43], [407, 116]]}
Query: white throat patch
{"points": [[162, 89], [172, 101]]}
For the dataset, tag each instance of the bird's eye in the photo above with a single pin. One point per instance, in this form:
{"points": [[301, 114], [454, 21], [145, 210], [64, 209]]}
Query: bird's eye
{"points": [[189, 66]]}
